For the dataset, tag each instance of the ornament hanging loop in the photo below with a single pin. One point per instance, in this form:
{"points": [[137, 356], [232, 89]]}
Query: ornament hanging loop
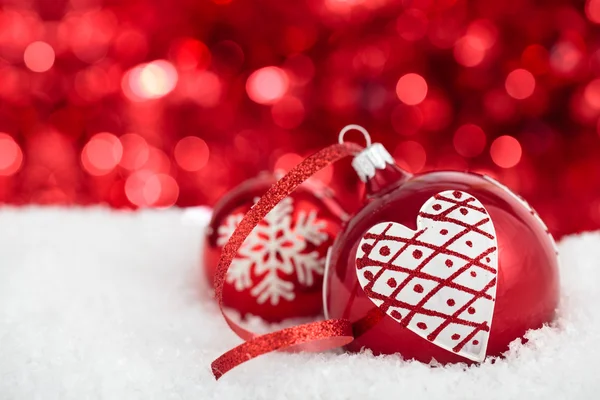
{"points": [[354, 127]]}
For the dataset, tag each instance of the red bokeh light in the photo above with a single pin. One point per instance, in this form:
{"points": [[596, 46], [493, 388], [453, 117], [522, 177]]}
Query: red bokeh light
{"points": [[189, 54], [267, 85], [411, 156], [135, 189], [88, 34], [469, 140], [101, 154], [411, 89], [565, 57], [592, 10], [506, 151], [19, 28], [146, 189], [204, 87], [158, 161], [288, 113], [287, 161], [520, 84], [11, 155], [150, 81], [484, 31], [191, 153], [469, 51], [437, 112], [342, 6], [135, 151], [39, 56], [591, 94], [161, 190]]}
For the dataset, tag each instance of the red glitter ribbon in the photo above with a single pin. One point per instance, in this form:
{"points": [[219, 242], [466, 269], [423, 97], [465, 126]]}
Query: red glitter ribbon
{"points": [[314, 336]]}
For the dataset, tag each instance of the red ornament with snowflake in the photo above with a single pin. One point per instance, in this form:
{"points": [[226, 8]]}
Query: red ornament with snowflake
{"points": [[278, 271], [444, 266]]}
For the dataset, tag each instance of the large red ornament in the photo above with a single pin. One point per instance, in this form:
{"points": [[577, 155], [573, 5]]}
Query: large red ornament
{"points": [[448, 266], [278, 271]]}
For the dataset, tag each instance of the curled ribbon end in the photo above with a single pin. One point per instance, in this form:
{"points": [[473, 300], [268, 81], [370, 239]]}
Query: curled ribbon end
{"points": [[216, 372], [314, 337]]}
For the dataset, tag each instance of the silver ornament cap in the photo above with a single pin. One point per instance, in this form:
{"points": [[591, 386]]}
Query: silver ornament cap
{"points": [[368, 161]]}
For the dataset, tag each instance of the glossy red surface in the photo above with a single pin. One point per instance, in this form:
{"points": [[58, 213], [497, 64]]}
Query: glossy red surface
{"points": [[307, 298], [528, 281]]}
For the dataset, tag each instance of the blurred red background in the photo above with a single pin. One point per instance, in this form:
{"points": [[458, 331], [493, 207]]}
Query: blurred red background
{"points": [[152, 103]]}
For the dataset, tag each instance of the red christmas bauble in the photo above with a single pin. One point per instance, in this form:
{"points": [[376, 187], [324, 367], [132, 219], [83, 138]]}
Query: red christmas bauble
{"points": [[448, 266], [278, 271]]}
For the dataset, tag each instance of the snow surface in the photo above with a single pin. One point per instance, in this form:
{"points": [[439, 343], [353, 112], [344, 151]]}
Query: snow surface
{"points": [[98, 304]]}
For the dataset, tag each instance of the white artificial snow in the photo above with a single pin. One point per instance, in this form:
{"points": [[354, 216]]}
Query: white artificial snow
{"points": [[97, 304]]}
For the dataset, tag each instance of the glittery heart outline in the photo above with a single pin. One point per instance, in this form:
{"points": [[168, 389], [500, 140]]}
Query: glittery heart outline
{"points": [[440, 280]]}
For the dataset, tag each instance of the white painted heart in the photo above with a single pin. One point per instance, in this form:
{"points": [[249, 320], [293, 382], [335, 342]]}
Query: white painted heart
{"points": [[440, 280]]}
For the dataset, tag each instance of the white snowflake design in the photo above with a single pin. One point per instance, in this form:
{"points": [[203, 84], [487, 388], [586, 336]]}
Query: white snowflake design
{"points": [[274, 252]]}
